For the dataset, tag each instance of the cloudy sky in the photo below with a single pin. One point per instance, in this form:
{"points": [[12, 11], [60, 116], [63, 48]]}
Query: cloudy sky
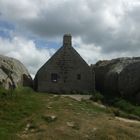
{"points": [[32, 30]]}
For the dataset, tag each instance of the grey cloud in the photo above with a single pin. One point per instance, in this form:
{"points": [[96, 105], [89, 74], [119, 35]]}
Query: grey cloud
{"points": [[112, 25]]}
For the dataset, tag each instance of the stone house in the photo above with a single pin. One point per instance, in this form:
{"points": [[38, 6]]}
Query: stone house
{"points": [[65, 72]]}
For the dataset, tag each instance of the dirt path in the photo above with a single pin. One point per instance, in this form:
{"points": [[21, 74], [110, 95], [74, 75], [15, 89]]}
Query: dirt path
{"points": [[127, 120], [85, 97], [78, 97]]}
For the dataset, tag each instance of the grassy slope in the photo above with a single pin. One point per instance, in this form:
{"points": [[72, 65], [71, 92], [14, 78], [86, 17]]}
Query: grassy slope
{"points": [[90, 122]]}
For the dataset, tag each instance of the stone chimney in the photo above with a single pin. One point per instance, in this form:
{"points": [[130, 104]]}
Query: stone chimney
{"points": [[67, 40]]}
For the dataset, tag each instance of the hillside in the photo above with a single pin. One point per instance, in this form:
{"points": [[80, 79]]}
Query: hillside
{"points": [[34, 116]]}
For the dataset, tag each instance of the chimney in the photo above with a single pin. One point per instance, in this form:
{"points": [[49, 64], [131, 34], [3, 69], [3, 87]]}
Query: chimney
{"points": [[67, 40]]}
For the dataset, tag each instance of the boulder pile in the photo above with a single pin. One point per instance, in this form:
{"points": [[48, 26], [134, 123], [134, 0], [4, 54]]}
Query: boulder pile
{"points": [[13, 73], [119, 76]]}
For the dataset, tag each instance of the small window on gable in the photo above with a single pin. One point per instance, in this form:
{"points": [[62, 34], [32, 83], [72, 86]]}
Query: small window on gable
{"points": [[78, 76], [54, 77]]}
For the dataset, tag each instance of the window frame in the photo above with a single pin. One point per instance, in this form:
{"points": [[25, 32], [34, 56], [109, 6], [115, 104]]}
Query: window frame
{"points": [[54, 77], [79, 76]]}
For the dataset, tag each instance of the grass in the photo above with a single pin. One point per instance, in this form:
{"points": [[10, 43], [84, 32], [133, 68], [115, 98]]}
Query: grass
{"points": [[23, 111], [14, 108]]}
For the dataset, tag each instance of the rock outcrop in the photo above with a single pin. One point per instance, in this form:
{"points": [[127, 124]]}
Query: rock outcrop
{"points": [[119, 76], [13, 73]]}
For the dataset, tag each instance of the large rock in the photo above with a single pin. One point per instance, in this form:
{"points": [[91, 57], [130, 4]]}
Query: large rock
{"points": [[119, 76], [13, 73]]}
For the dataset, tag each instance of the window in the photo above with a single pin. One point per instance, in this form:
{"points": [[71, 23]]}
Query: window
{"points": [[54, 77], [78, 76]]}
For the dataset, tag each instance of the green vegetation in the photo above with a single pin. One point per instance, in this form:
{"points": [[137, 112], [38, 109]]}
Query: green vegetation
{"points": [[28, 115], [133, 111], [15, 106], [97, 97], [119, 106]]}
